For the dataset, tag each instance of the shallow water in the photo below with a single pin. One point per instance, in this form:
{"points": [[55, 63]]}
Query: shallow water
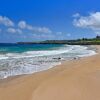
{"points": [[26, 59]]}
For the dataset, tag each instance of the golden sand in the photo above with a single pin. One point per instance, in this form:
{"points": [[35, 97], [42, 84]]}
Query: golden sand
{"points": [[73, 80]]}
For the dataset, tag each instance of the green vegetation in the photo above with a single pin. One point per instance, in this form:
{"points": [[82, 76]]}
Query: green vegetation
{"points": [[83, 41]]}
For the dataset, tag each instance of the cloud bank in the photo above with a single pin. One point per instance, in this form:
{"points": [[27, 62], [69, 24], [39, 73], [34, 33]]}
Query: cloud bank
{"points": [[21, 26], [23, 31], [92, 21]]}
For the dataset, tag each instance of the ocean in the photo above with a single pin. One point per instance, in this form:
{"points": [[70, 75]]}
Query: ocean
{"points": [[19, 59]]}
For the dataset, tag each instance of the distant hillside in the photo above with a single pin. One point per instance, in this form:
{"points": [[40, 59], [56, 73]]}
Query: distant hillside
{"points": [[84, 41]]}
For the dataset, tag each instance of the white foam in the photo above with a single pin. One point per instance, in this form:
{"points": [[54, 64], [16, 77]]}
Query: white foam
{"points": [[66, 49], [36, 53], [3, 57], [35, 61], [27, 69]]}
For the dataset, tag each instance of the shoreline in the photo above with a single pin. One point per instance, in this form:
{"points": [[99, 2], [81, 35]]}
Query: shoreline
{"points": [[58, 83], [92, 48]]}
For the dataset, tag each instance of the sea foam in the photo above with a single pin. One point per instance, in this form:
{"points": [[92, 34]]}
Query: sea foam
{"points": [[29, 62]]}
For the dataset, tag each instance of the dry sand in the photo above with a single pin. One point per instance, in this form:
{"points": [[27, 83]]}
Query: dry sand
{"points": [[73, 80]]}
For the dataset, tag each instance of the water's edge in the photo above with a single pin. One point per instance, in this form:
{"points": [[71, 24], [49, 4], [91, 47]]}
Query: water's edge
{"points": [[57, 59]]}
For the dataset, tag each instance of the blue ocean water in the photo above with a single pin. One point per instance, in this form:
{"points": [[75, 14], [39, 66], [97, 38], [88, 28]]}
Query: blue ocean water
{"points": [[19, 48], [18, 59]]}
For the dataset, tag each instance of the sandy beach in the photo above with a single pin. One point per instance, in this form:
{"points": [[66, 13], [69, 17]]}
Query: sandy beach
{"points": [[73, 80]]}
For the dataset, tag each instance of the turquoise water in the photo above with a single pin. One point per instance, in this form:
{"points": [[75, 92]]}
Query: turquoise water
{"points": [[19, 48], [18, 59]]}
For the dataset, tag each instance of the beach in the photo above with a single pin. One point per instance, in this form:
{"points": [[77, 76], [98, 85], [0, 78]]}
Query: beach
{"points": [[77, 79]]}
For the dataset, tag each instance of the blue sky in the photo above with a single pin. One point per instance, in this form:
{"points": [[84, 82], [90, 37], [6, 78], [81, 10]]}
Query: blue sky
{"points": [[34, 20]]}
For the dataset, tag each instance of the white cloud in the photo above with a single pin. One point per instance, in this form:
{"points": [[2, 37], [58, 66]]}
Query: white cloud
{"points": [[63, 34], [68, 34], [44, 36], [24, 29], [42, 30], [24, 25], [97, 32], [6, 21], [92, 21], [76, 15], [59, 33], [13, 30]]}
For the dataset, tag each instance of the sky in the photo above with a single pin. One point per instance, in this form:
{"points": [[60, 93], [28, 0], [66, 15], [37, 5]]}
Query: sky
{"points": [[37, 20]]}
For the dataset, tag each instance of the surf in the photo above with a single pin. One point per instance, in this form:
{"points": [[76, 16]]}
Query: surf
{"points": [[33, 60]]}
